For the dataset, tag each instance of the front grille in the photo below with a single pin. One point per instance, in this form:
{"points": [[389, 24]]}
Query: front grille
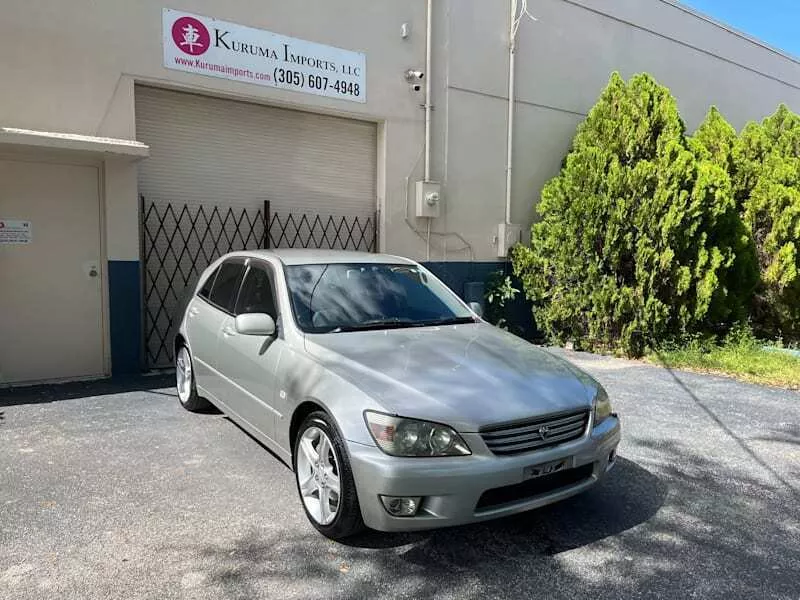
{"points": [[533, 487], [537, 433]]}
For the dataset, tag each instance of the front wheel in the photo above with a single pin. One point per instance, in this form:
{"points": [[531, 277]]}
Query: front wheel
{"points": [[324, 479]]}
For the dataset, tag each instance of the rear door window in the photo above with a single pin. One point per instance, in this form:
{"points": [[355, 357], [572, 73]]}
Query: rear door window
{"points": [[226, 285]]}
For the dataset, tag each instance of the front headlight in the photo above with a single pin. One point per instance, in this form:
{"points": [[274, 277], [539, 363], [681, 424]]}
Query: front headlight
{"points": [[602, 406], [398, 436]]}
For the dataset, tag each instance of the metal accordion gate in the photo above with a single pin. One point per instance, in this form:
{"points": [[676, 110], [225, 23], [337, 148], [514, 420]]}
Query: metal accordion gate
{"points": [[178, 241]]}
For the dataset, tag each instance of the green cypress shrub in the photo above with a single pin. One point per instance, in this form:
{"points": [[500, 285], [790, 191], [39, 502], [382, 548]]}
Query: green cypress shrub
{"points": [[637, 234], [766, 173], [714, 141]]}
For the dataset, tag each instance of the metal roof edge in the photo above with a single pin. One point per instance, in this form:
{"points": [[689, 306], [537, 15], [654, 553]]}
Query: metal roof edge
{"points": [[73, 141], [730, 29]]}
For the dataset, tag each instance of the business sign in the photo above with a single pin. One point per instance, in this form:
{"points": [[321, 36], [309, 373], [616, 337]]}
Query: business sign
{"points": [[13, 231], [207, 46]]}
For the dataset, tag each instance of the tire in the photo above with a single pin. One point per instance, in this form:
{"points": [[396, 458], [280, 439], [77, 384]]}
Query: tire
{"points": [[185, 382], [319, 483]]}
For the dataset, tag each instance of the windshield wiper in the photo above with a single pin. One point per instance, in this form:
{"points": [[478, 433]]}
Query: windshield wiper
{"points": [[397, 323], [445, 321], [376, 324]]}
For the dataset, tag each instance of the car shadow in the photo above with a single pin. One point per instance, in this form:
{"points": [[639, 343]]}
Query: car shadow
{"points": [[160, 384], [628, 496], [509, 554], [39, 394], [253, 438], [208, 409]]}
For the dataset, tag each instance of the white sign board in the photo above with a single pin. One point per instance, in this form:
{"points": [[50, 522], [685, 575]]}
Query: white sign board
{"points": [[13, 231], [207, 46]]}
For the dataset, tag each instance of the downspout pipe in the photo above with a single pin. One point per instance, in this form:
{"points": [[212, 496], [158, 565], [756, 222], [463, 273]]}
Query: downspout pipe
{"points": [[512, 52], [428, 106], [426, 150]]}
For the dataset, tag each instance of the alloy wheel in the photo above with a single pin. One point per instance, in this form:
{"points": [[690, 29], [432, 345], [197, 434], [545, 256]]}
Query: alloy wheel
{"points": [[318, 475], [183, 374]]}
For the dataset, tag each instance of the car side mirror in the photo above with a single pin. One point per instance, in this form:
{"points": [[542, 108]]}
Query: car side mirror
{"points": [[255, 324], [476, 308]]}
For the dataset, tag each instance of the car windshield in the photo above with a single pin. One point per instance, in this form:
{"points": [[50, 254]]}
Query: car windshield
{"points": [[331, 298]]}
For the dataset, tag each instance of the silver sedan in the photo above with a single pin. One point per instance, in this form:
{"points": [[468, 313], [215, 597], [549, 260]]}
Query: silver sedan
{"points": [[396, 406]]}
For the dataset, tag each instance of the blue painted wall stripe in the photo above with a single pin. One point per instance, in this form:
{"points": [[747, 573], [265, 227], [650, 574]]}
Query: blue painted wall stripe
{"points": [[461, 277], [467, 279], [125, 316]]}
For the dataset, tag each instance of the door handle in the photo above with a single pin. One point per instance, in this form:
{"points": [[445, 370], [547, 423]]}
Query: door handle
{"points": [[229, 331], [193, 312]]}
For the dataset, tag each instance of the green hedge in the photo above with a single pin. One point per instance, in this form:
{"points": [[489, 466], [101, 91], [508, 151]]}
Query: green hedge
{"points": [[647, 234], [766, 172]]}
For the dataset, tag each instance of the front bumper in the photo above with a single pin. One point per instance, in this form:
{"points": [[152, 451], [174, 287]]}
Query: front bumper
{"points": [[452, 486]]}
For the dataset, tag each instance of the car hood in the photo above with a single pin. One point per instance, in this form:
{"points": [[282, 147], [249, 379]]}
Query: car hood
{"points": [[467, 376]]}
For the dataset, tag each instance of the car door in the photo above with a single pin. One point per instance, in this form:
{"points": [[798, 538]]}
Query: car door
{"points": [[204, 319], [249, 362]]}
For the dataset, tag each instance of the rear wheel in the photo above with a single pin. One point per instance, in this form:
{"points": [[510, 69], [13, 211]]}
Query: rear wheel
{"points": [[324, 479], [184, 379]]}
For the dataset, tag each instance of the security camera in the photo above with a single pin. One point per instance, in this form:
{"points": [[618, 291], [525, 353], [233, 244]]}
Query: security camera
{"points": [[413, 75]]}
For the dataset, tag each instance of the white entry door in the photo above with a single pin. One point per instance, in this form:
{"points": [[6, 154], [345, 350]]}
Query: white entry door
{"points": [[51, 309]]}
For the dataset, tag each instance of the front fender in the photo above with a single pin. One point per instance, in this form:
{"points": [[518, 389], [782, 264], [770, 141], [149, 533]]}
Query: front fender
{"points": [[306, 380]]}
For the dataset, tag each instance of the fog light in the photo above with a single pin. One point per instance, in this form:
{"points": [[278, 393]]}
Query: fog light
{"points": [[399, 506]]}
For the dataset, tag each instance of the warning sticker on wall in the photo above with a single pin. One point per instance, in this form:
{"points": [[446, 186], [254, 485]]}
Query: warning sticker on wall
{"points": [[13, 231]]}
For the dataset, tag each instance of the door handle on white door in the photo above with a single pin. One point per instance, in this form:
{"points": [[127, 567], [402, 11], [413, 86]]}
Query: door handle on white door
{"points": [[91, 269], [193, 312], [228, 331]]}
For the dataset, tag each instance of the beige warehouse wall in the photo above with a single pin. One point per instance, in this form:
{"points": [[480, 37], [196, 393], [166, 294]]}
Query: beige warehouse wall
{"points": [[79, 78], [699, 61], [564, 59], [121, 209], [80, 75], [86, 47]]}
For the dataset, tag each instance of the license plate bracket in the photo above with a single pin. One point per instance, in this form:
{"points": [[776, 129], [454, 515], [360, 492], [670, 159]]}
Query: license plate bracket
{"points": [[546, 468]]}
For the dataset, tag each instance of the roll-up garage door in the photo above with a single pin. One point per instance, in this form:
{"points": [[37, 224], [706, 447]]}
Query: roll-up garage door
{"points": [[214, 163], [208, 150]]}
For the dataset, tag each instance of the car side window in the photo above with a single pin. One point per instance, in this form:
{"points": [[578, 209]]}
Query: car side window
{"points": [[226, 285], [205, 291], [256, 295]]}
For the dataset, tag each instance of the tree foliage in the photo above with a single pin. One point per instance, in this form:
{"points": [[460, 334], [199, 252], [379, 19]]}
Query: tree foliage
{"points": [[715, 141], [766, 175], [500, 292], [639, 232]]}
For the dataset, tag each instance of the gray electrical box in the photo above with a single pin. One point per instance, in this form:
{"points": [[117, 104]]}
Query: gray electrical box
{"points": [[429, 198], [508, 234]]}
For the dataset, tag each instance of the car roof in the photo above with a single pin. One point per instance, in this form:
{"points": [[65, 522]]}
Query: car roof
{"points": [[303, 256]]}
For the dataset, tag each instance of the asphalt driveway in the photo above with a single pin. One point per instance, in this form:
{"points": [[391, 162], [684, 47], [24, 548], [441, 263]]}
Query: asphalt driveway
{"points": [[112, 492]]}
